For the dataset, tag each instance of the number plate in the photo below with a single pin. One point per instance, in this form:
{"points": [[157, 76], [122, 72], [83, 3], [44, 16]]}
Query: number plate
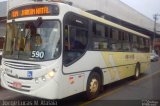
{"points": [[17, 85]]}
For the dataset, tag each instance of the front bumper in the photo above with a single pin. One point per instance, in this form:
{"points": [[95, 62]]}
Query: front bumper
{"points": [[43, 89]]}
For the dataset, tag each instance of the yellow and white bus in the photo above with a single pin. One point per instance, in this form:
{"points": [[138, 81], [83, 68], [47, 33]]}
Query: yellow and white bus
{"points": [[54, 50]]}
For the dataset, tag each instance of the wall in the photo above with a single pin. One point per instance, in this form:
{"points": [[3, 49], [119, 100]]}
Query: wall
{"points": [[13, 3], [3, 9], [3, 14]]}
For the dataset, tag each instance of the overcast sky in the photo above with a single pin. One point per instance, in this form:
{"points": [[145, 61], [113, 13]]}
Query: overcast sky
{"points": [[3, 0], [146, 7]]}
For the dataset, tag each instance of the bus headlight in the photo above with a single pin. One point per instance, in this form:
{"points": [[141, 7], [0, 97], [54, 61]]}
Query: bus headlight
{"points": [[36, 80], [50, 74], [43, 78]]}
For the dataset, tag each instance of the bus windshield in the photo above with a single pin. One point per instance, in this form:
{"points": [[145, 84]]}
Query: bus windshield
{"points": [[32, 40]]}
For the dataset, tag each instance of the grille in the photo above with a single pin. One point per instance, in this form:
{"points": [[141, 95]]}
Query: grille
{"points": [[22, 66], [22, 78], [24, 87], [20, 89]]}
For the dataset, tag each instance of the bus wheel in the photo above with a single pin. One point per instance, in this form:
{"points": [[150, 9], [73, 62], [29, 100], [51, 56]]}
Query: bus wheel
{"points": [[137, 72], [93, 85]]}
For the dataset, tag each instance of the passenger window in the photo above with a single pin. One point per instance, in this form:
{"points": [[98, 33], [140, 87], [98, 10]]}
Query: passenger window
{"points": [[146, 45], [135, 44], [99, 37], [126, 43], [141, 46], [114, 40]]}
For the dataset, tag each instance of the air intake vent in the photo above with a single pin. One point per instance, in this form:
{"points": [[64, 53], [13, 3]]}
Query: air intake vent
{"points": [[22, 66]]}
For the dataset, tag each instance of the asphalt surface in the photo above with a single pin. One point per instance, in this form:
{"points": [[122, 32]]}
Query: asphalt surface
{"points": [[128, 92]]}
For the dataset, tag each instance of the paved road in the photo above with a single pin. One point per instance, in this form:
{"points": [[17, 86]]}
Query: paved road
{"points": [[121, 93]]}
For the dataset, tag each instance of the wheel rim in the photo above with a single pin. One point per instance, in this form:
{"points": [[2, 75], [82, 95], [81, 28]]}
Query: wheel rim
{"points": [[94, 86]]}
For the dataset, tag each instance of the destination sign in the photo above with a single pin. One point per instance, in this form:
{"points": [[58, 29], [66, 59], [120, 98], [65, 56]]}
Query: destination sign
{"points": [[33, 10]]}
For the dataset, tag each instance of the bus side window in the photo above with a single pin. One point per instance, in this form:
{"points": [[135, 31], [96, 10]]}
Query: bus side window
{"points": [[135, 44], [114, 35], [99, 36], [126, 43], [75, 37], [146, 48]]}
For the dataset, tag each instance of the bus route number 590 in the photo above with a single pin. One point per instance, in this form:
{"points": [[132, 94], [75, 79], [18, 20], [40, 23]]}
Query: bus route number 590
{"points": [[38, 54]]}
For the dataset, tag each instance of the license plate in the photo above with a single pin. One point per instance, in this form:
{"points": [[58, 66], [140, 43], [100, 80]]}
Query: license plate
{"points": [[17, 85]]}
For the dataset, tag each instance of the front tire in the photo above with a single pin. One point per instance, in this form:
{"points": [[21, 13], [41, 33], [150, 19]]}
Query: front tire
{"points": [[93, 85]]}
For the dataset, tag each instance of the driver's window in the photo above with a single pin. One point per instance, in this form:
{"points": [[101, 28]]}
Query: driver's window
{"points": [[75, 38]]}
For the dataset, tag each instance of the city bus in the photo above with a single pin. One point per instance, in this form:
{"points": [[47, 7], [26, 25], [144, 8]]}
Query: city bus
{"points": [[54, 50]]}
